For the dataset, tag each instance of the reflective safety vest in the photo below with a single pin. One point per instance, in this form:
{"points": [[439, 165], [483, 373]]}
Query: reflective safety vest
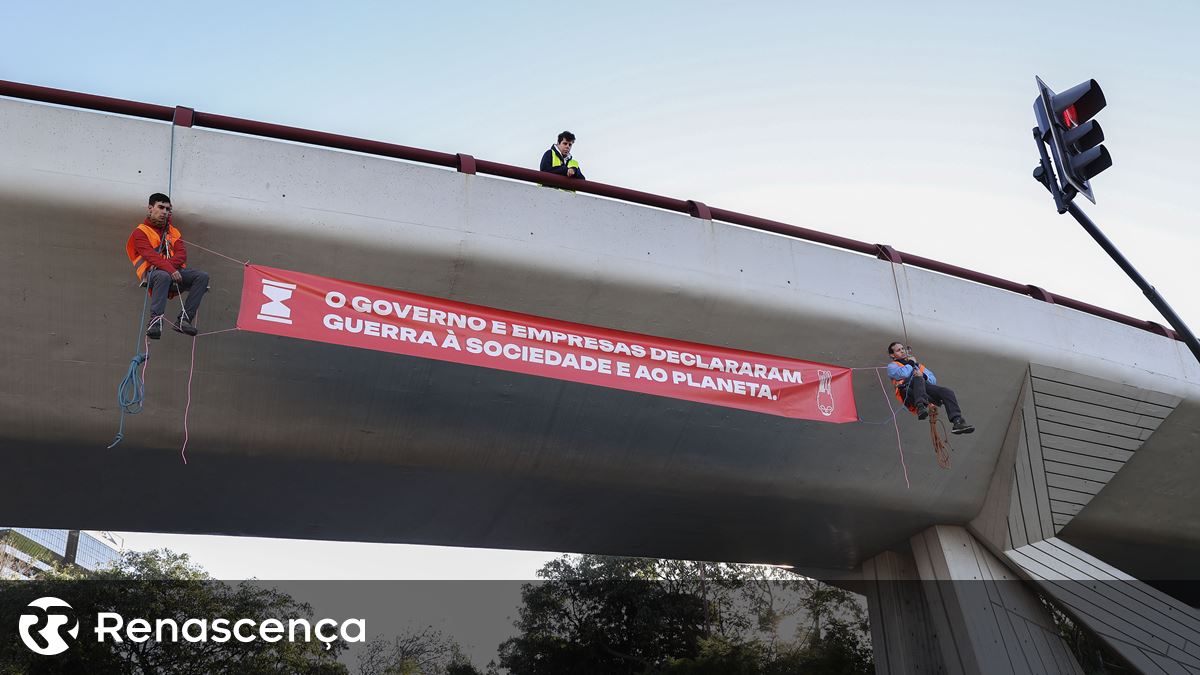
{"points": [[140, 264], [899, 384], [555, 161]]}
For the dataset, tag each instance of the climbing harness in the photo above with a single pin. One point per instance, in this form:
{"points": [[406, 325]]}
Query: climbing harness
{"points": [[902, 386], [940, 442]]}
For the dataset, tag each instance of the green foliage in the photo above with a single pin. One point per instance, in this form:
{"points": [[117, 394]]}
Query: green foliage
{"points": [[161, 585], [840, 650], [462, 668], [721, 656], [417, 652], [601, 614], [1092, 654]]}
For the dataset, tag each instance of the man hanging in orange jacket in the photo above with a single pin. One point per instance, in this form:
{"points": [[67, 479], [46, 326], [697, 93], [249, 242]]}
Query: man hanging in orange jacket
{"points": [[159, 258]]}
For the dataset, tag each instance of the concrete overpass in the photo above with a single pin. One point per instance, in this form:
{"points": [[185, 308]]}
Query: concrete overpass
{"points": [[1087, 420]]}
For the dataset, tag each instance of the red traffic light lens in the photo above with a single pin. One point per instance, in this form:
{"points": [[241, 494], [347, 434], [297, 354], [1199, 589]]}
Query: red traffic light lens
{"points": [[1070, 117]]}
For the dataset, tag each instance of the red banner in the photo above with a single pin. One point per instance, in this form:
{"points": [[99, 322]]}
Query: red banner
{"points": [[309, 307]]}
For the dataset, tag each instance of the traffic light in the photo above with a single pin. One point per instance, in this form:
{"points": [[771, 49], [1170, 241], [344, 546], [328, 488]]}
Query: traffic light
{"points": [[1065, 123]]}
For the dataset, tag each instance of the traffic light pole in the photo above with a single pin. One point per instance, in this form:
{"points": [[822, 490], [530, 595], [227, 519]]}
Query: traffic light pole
{"points": [[1150, 292], [1045, 176]]}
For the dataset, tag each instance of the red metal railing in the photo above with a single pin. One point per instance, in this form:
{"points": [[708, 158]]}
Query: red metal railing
{"points": [[468, 164]]}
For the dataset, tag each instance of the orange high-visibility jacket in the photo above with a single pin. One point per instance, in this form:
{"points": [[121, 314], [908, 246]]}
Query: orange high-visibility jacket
{"points": [[919, 372], [176, 254]]}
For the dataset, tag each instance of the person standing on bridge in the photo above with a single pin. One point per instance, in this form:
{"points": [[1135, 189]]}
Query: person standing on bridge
{"points": [[917, 387], [159, 258], [558, 158]]}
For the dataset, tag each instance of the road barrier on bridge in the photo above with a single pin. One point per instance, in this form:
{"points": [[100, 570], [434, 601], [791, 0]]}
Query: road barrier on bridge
{"points": [[187, 117]]}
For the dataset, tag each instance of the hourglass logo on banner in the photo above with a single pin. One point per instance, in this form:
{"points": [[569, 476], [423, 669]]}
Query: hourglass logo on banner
{"points": [[275, 310]]}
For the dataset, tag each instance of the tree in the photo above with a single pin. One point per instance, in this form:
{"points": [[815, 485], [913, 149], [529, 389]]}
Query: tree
{"points": [[840, 650], [611, 614], [424, 652], [162, 585], [632, 615]]}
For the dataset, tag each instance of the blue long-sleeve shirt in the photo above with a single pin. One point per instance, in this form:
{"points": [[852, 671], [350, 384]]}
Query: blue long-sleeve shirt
{"points": [[899, 372]]}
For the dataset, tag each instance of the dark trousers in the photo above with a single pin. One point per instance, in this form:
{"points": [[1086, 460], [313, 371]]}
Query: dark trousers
{"points": [[195, 282], [921, 391]]}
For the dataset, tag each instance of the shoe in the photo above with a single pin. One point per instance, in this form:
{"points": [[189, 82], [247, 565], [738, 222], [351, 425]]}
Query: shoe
{"points": [[961, 427], [184, 325], [922, 411], [154, 329]]}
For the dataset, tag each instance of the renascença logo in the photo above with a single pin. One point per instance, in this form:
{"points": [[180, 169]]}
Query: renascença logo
{"points": [[42, 627], [46, 620]]}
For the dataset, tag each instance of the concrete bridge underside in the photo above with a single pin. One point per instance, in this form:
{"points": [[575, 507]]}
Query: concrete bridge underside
{"points": [[299, 439]]}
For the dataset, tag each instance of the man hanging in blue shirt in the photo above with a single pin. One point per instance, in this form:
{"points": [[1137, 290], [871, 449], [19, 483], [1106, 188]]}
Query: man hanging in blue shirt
{"points": [[917, 387]]}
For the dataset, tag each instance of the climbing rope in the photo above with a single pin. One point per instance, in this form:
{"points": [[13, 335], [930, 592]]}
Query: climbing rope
{"points": [[897, 425], [131, 393], [941, 445], [192, 366], [939, 439], [191, 369], [244, 263], [899, 304]]}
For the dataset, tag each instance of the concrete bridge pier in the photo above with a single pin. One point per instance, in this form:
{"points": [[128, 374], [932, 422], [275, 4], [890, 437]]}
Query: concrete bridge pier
{"points": [[948, 605]]}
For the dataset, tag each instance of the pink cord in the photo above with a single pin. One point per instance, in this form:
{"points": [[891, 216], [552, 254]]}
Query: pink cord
{"points": [[192, 243], [897, 424], [191, 369]]}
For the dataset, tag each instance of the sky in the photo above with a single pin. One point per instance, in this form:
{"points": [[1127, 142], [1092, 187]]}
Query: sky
{"points": [[899, 123]]}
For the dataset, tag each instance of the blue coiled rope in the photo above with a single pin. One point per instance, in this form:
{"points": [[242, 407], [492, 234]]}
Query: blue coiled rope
{"points": [[132, 390]]}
